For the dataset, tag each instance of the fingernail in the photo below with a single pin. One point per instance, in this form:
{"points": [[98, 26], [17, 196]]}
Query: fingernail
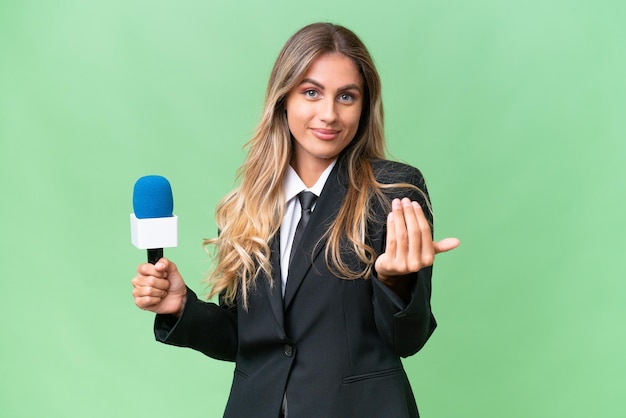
{"points": [[406, 202], [159, 265]]}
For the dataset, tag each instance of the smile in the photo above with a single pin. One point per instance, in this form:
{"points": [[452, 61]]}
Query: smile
{"points": [[324, 134]]}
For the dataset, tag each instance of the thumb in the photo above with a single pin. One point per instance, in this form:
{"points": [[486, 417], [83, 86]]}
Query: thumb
{"points": [[170, 271], [446, 244], [164, 265]]}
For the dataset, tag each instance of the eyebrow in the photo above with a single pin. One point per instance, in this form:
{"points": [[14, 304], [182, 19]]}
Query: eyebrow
{"points": [[319, 85]]}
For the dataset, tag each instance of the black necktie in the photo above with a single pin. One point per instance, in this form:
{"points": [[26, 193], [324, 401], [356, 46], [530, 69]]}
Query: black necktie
{"points": [[307, 199]]}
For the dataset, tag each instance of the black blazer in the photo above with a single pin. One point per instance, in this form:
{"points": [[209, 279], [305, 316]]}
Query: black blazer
{"points": [[332, 345]]}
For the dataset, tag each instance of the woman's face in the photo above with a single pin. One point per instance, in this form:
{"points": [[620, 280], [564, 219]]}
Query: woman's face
{"points": [[323, 112]]}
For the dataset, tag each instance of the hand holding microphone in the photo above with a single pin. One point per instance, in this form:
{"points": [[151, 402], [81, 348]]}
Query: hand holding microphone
{"points": [[158, 287]]}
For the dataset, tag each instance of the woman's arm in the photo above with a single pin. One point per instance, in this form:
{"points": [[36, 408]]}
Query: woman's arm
{"points": [[182, 319], [202, 326], [403, 270]]}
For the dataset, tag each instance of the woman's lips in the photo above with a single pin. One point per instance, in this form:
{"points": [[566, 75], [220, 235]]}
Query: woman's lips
{"points": [[324, 134]]}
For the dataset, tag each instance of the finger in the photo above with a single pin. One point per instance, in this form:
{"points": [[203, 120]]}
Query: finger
{"points": [[414, 236], [446, 244], [147, 269], [141, 291], [146, 302], [428, 252], [151, 281], [160, 269], [402, 240], [390, 246]]}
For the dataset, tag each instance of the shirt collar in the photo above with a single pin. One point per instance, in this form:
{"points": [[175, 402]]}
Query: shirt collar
{"points": [[293, 184]]}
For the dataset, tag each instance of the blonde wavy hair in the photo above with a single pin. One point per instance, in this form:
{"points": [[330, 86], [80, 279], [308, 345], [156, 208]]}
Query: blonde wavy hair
{"points": [[251, 215]]}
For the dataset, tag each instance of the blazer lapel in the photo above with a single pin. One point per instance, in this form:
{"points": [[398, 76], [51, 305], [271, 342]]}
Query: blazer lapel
{"points": [[325, 212], [275, 293]]}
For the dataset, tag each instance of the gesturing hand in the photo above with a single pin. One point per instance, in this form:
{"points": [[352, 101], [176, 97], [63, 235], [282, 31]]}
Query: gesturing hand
{"points": [[409, 245], [159, 288]]}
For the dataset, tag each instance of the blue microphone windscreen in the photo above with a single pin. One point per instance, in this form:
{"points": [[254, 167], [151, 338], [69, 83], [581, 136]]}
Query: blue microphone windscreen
{"points": [[152, 198]]}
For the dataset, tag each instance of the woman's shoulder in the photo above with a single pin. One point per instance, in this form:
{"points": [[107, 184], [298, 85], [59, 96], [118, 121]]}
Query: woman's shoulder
{"points": [[387, 172]]}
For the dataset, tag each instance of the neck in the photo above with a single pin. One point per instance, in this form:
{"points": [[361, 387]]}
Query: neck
{"points": [[309, 173]]}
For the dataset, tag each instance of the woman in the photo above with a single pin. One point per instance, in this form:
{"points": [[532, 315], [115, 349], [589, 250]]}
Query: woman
{"points": [[317, 332]]}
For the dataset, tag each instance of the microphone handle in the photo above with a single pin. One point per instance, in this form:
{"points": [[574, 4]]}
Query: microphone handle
{"points": [[154, 255]]}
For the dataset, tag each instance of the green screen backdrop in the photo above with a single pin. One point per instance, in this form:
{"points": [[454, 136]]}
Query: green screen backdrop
{"points": [[514, 110]]}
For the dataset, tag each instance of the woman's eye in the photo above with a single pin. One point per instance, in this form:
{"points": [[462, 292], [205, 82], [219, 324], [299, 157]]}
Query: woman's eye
{"points": [[345, 97], [310, 93]]}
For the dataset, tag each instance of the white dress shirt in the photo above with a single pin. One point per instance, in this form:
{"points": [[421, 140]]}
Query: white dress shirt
{"points": [[292, 186]]}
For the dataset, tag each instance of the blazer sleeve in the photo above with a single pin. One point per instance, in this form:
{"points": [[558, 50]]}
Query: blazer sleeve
{"points": [[406, 326], [203, 326]]}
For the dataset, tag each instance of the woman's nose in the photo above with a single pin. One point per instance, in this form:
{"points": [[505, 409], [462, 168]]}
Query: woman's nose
{"points": [[328, 110]]}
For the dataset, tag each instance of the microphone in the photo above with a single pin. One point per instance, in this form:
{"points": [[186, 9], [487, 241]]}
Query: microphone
{"points": [[153, 226]]}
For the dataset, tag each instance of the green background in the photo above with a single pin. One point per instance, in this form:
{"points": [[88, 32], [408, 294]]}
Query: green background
{"points": [[513, 110]]}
